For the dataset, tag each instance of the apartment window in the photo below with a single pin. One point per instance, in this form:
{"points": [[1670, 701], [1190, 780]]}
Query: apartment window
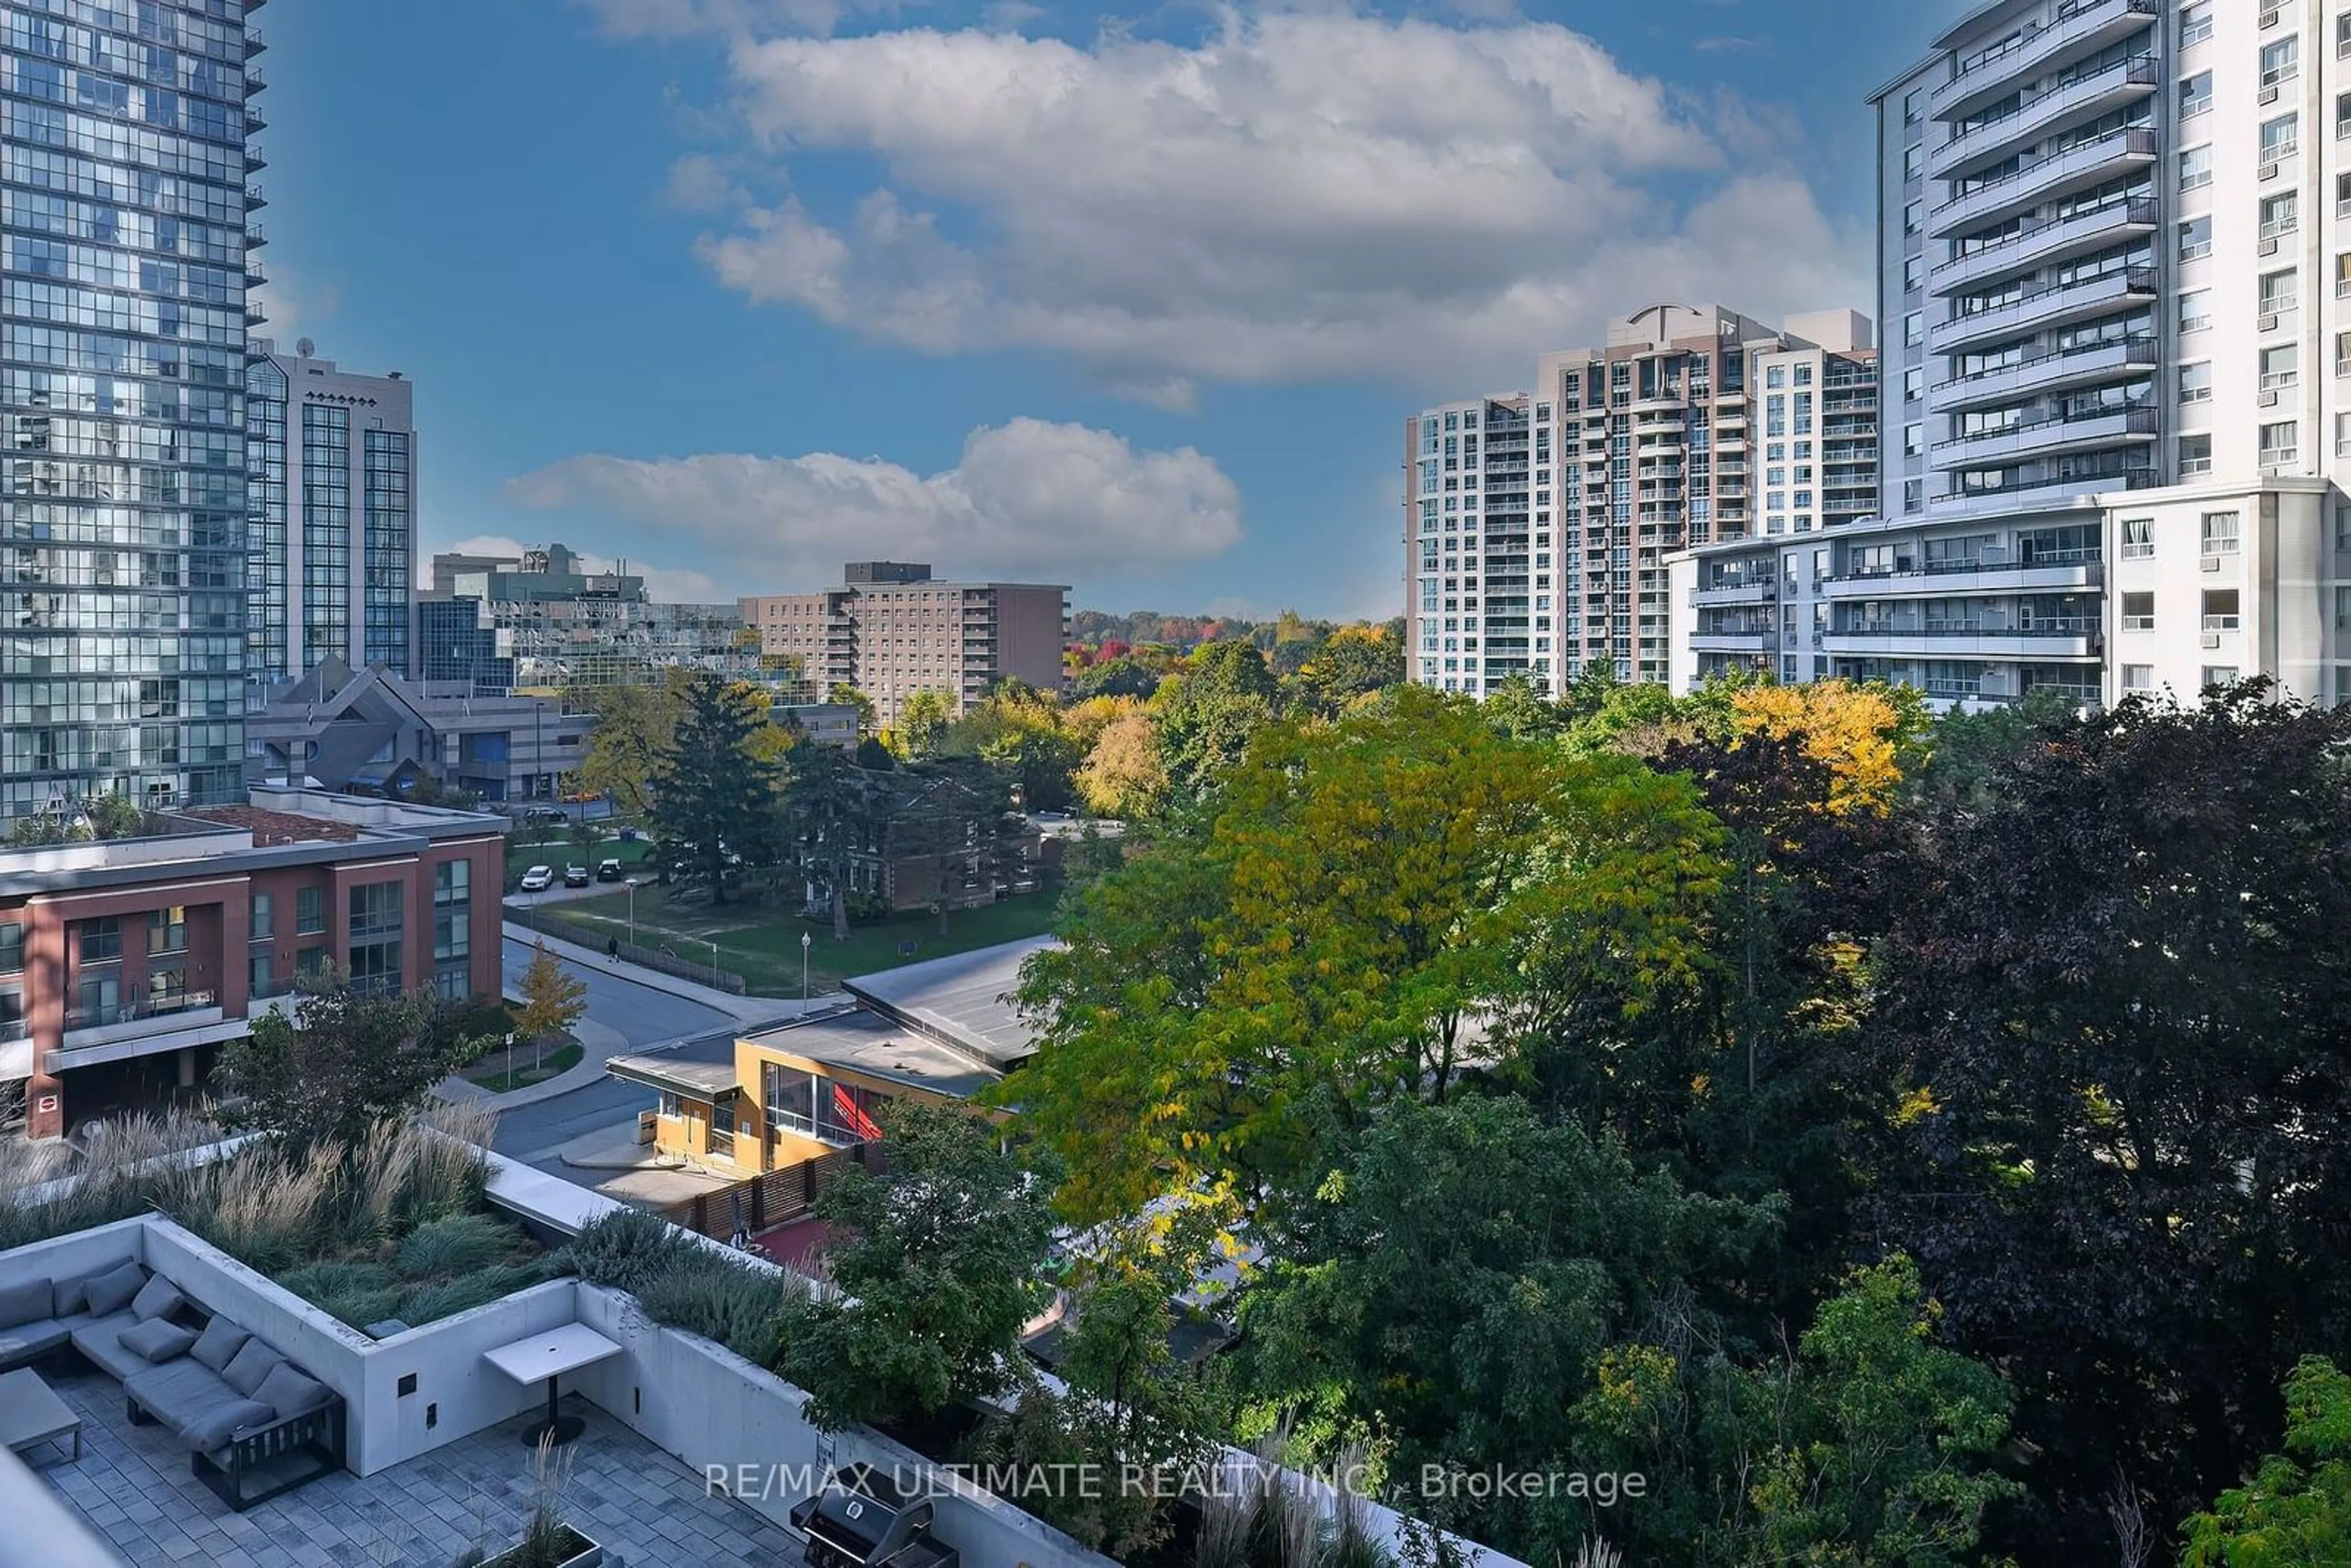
{"points": [[2138, 677], [1914, 328], [1914, 273], [2219, 674], [2195, 23], [264, 922], [2196, 167], [1913, 217], [167, 930], [1914, 384], [1914, 440], [2281, 138], [2281, 215], [2195, 94], [2280, 292], [259, 982], [2219, 534], [2139, 537], [2343, 34], [310, 911], [2282, 61], [1910, 101], [1913, 495], [2220, 609], [98, 941], [2195, 454], [2342, 115], [2279, 443], [2195, 310], [1913, 162], [2195, 238], [2138, 611], [12, 947], [2281, 366], [2196, 381], [2343, 610]]}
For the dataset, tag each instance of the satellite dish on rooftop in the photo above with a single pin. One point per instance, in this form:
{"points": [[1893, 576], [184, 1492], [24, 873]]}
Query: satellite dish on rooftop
{"points": [[306, 348]]}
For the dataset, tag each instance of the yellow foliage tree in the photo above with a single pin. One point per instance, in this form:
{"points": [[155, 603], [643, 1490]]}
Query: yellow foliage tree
{"points": [[1123, 776], [1853, 729]]}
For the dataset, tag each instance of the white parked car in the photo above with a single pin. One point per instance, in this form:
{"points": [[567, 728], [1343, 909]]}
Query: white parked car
{"points": [[538, 879]]}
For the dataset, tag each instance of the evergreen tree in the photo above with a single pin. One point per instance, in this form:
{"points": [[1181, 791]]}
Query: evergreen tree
{"points": [[713, 798]]}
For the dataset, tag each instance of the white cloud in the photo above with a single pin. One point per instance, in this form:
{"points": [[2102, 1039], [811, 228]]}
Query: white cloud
{"points": [[684, 18], [294, 305], [1027, 498], [1301, 195], [666, 583]]}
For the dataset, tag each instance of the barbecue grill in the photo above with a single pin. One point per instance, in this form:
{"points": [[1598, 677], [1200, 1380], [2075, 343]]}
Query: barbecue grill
{"points": [[863, 1519]]}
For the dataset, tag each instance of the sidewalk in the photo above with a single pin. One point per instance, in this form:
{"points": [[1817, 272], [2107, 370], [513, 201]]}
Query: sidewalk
{"points": [[743, 1009], [598, 1043]]}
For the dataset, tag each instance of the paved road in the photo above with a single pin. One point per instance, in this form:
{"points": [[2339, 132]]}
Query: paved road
{"points": [[644, 1015]]}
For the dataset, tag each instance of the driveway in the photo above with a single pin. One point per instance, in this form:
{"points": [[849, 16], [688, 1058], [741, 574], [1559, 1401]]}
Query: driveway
{"points": [[643, 1014]]}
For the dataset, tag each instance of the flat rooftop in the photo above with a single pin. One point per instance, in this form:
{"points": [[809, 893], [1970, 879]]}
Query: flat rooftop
{"points": [[963, 1000], [879, 1046]]}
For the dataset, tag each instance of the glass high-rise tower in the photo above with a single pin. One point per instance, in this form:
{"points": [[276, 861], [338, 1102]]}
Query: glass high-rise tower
{"points": [[125, 253]]}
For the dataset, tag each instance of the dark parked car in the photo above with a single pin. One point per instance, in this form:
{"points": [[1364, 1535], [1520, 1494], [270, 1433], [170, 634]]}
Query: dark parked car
{"points": [[575, 876], [610, 870]]}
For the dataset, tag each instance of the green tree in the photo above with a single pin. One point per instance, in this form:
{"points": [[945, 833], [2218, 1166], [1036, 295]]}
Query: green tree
{"points": [[1457, 1280], [2295, 1511], [1321, 944], [346, 1061], [1222, 697], [713, 797], [832, 811], [847, 695], [940, 1264], [553, 998], [1519, 709], [922, 720], [636, 731], [1350, 663]]}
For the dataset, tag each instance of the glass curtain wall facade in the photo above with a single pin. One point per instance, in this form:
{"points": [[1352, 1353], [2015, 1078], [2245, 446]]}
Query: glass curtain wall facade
{"points": [[388, 570], [265, 426], [124, 251]]}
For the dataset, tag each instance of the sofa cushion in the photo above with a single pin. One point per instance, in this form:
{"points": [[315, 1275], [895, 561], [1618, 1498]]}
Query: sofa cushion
{"points": [[219, 1343], [100, 1341], [37, 1338], [69, 1292], [217, 1426], [25, 1301], [154, 1341], [290, 1392], [112, 1291], [249, 1366], [179, 1392], [158, 1298]]}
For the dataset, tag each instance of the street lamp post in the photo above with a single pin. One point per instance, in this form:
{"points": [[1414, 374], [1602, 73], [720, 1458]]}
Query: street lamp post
{"points": [[714, 963], [633, 911], [804, 961]]}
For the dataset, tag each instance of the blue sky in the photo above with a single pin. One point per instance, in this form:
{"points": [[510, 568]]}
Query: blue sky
{"points": [[738, 289]]}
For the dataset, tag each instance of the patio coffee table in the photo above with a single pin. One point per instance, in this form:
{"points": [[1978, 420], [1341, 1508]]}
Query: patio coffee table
{"points": [[30, 1413], [550, 1355]]}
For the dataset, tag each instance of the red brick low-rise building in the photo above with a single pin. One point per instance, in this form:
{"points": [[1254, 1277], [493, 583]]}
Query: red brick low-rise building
{"points": [[125, 963]]}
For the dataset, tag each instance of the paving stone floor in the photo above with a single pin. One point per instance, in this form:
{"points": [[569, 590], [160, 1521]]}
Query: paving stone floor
{"points": [[646, 1508]]}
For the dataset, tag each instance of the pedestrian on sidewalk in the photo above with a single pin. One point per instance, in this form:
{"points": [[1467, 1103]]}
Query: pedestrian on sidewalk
{"points": [[613, 948]]}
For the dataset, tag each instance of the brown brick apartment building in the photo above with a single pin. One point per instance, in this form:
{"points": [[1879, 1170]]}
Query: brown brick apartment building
{"points": [[125, 963], [891, 629]]}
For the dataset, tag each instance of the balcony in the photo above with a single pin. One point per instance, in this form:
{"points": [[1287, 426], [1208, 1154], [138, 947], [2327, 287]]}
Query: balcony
{"points": [[1758, 590], [1983, 574], [2101, 92], [2058, 492], [1730, 642], [2047, 240], [2059, 637], [2050, 305], [2085, 364], [2086, 164], [2082, 28], [2063, 433]]}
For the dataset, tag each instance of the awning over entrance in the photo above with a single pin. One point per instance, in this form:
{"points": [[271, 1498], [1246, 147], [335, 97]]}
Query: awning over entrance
{"points": [[708, 1080]]}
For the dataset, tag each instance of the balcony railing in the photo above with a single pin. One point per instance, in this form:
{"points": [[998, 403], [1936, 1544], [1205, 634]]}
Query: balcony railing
{"points": [[2047, 304], [2030, 244], [1991, 68], [2023, 186], [143, 1007], [1986, 139]]}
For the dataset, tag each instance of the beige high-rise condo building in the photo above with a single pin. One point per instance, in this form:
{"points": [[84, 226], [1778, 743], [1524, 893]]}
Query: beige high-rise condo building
{"points": [[1691, 424], [891, 629]]}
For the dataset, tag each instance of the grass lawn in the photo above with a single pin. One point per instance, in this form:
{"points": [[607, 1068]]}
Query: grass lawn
{"points": [[490, 1071], [762, 943], [554, 846]]}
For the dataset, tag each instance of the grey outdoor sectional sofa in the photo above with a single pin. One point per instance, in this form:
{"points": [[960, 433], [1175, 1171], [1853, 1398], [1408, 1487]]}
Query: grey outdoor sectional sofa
{"points": [[255, 1423]]}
